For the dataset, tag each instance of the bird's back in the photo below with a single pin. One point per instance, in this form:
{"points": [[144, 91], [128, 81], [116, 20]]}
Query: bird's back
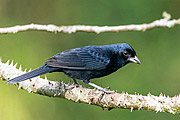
{"points": [[87, 62], [84, 58]]}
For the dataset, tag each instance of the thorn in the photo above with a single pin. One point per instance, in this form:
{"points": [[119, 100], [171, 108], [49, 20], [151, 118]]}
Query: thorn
{"points": [[161, 94], [166, 15], [149, 94], [45, 77], [7, 63], [29, 70], [19, 87], [164, 95], [131, 109], [20, 68], [57, 83], [11, 63], [25, 70], [15, 65], [29, 91]]}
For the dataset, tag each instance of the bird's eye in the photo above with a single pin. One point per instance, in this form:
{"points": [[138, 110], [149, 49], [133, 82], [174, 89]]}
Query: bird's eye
{"points": [[125, 53]]}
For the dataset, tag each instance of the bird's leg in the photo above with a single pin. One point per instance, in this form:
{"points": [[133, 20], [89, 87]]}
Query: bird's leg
{"points": [[75, 82], [98, 87]]}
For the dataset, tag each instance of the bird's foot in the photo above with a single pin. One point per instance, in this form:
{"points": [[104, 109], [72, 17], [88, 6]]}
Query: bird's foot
{"points": [[72, 85], [76, 83]]}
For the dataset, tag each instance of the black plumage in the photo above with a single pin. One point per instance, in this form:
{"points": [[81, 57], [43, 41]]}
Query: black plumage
{"points": [[86, 62]]}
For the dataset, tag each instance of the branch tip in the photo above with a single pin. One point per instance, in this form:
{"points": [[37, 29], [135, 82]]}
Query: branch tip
{"points": [[166, 15]]}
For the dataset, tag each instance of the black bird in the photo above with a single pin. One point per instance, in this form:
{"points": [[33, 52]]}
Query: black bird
{"points": [[85, 63]]}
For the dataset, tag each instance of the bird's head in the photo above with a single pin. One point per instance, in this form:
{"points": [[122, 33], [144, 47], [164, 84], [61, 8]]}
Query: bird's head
{"points": [[128, 53]]}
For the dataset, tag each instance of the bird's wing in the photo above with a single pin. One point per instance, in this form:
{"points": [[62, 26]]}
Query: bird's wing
{"points": [[80, 59]]}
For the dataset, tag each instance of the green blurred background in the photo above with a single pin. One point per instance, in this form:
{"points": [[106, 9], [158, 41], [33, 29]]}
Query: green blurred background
{"points": [[158, 49]]}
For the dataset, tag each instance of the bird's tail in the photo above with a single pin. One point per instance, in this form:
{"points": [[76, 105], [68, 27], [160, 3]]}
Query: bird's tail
{"points": [[37, 72]]}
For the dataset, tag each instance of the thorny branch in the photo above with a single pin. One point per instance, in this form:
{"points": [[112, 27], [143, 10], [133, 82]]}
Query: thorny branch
{"points": [[164, 22], [80, 94]]}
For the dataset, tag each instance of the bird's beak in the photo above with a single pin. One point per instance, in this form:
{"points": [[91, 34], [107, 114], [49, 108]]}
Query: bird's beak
{"points": [[135, 60]]}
